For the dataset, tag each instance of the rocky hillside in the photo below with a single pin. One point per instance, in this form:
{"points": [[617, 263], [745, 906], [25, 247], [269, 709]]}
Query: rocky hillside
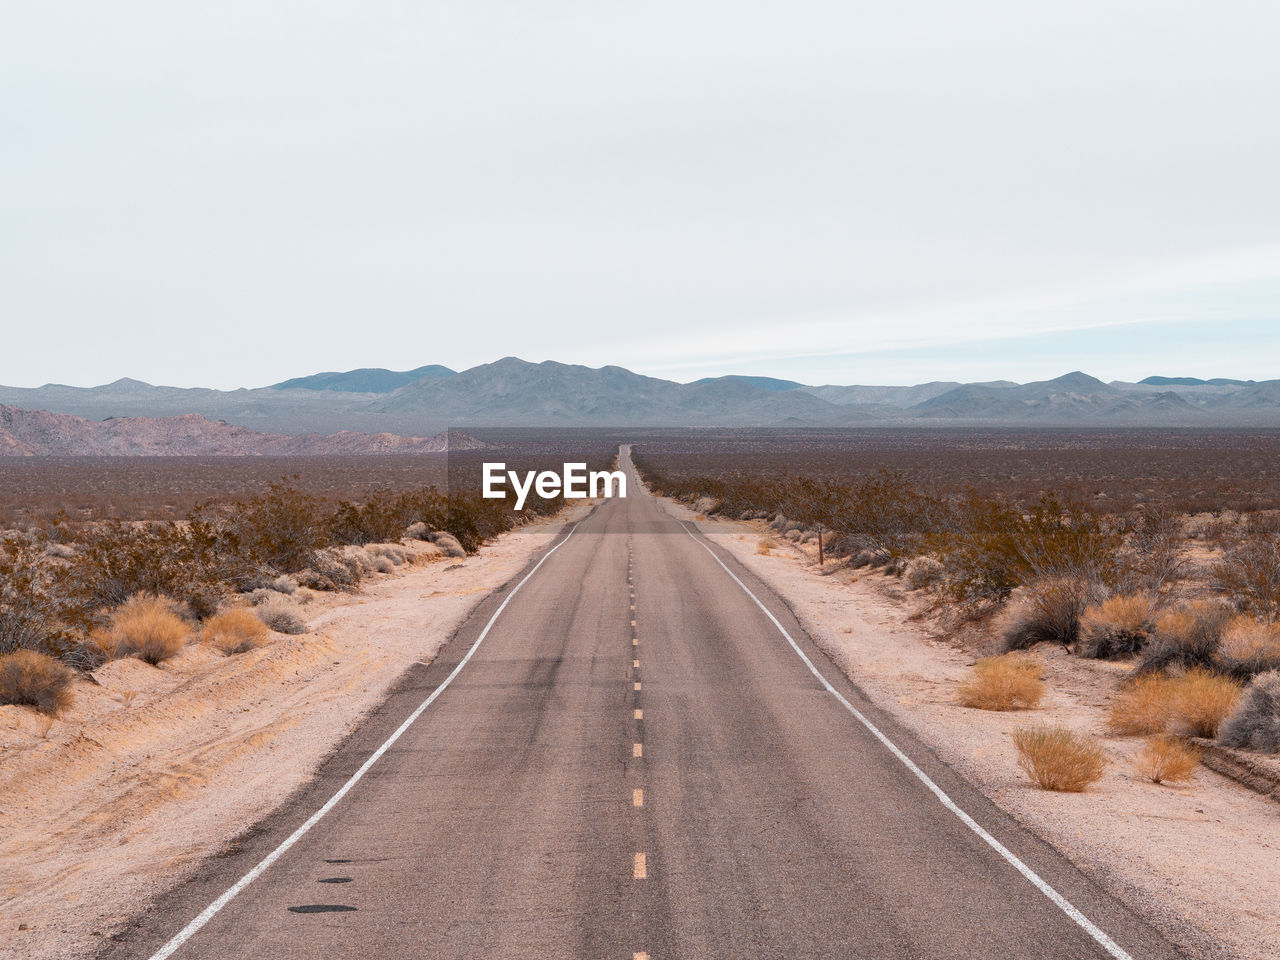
{"points": [[34, 433]]}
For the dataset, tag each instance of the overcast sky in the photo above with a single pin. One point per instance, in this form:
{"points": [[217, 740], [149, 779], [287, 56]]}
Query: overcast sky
{"points": [[231, 194]]}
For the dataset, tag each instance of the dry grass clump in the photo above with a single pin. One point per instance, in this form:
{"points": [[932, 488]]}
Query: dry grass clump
{"points": [[923, 572], [279, 615], [1118, 626], [382, 564], [1143, 706], [284, 584], [1057, 758], [1166, 759], [1200, 702], [396, 554], [35, 680], [1048, 612], [1254, 724], [1008, 682], [233, 631], [1249, 647], [146, 626], [1186, 637], [764, 546]]}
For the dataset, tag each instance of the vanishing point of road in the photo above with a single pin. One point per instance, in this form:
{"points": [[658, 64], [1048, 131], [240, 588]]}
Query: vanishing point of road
{"points": [[633, 751]]}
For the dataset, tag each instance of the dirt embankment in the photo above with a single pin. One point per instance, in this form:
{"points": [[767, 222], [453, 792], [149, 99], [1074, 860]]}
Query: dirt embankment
{"points": [[1201, 862], [156, 768]]}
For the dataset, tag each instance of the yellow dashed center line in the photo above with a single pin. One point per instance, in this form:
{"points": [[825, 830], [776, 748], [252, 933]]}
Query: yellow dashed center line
{"points": [[637, 684], [636, 664], [633, 623], [637, 749], [637, 798], [639, 714], [639, 956], [639, 871]]}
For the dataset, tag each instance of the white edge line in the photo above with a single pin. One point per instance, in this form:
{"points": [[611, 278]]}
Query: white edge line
{"points": [[1037, 881], [192, 928]]}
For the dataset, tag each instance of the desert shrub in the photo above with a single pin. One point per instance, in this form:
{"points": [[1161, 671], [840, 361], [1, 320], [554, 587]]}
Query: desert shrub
{"points": [[191, 562], [1248, 647], [764, 546], [59, 551], [329, 570], [1250, 570], [1056, 758], [417, 530], [1118, 626], [1186, 637], [282, 528], [1166, 759], [1151, 557], [1254, 724], [923, 571], [1008, 682], [393, 552], [992, 547], [1143, 706], [383, 565], [448, 543], [32, 679], [377, 519], [1200, 701], [284, 584], [360, 559], [1049, 611], [279, 615], [236, 630], [146, 626], [31, 615]]}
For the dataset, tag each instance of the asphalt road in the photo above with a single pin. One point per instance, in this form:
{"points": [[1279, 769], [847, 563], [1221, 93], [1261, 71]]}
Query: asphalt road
{"points": [[637, 762]]}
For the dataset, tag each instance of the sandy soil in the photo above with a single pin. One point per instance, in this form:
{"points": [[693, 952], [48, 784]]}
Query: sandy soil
{"points": [[1201, 862], [157, 768]]}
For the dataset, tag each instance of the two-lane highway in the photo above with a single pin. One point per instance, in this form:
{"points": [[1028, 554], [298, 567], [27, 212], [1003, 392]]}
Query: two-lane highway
{"points": [[633, 751]]}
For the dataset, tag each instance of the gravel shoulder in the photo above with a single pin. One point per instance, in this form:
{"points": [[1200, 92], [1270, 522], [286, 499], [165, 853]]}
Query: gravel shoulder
{"points": [[1200, 862], [156, 768]]}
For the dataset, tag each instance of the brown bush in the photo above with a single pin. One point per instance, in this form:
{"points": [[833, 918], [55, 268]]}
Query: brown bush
{"points": [[1166, 759], [1008, 682], [191, 562], [1118, 626], [237, 630], [1250, 570], [1200, 701], [1249, 647], [1186, 637], [1254, 723], [1056, 758], [279, 615], [1143, 706], [146, 626], [31, 615], [35, 680], [1048, 612]]}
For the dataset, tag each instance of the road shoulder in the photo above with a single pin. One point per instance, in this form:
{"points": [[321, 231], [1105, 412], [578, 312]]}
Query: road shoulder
{"points": [[1197, 862], [154, 770]]}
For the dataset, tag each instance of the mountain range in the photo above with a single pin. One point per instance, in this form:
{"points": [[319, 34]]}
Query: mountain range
{"points": [[420, 403], [39, 433]]}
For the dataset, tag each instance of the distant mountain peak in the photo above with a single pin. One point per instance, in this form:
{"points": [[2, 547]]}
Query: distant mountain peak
{"points": [[364, 379], [1078, 380]]}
